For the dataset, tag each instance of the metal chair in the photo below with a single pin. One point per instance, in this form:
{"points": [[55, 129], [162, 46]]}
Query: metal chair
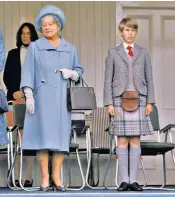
{"points": [[78, 127], [151, 148], [18, 118], [11, 127], [19, 115], [98, 142]]}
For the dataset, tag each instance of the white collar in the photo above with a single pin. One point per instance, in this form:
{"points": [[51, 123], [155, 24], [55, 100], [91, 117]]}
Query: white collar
{"points": [[126, 45], [23, 47]]}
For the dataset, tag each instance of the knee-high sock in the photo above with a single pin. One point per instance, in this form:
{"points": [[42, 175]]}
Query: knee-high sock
{"points": [[122, 154], [134, 160], [29, 166]]}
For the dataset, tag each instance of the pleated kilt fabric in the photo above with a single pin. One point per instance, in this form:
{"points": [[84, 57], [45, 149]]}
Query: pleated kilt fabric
{"points": [[130, 123]]}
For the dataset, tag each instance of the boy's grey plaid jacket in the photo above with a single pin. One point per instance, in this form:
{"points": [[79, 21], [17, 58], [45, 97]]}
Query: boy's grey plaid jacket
{"points": [[116, 73]]}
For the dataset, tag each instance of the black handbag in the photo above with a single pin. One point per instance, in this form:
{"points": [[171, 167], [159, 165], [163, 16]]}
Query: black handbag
{"points": [[3, 102], [81, 98]]}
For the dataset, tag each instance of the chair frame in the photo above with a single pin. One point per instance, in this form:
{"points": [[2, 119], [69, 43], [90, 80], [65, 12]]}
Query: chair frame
{"points": [[19, 151], [166, 130], [90, 150]]}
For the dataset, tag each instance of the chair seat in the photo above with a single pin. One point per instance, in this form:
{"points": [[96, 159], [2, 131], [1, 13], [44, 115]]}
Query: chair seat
{"points": [[29, 152], [73, 147], [155, 148], [3, 149], [100, 150]]}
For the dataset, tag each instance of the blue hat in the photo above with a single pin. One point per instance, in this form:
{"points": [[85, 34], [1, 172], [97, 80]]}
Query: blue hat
{"points": [[50, 10]]}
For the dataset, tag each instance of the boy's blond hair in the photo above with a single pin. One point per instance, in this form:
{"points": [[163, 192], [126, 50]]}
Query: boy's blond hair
{"points": [[129, 22]]}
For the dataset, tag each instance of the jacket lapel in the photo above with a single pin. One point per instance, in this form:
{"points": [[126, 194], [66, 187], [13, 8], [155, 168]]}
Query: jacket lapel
{"points": [[136, 52], [122, 53]]}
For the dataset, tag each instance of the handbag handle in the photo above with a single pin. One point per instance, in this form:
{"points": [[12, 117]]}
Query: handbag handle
{"points": [[83, 83]]}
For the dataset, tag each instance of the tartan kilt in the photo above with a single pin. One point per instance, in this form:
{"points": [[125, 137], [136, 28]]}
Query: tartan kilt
{"points": [[130, 123]]}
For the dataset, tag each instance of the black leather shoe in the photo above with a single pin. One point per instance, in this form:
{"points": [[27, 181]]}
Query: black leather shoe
{"points": [[28, 183], [123, 187], [16, 183], [135, 187]]}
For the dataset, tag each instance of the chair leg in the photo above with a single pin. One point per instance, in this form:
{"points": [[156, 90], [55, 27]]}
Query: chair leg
{"points": [[91, 174], [62, 175], [89, 157], [12, 161], [164, 170], [81, 171], [116, 174], [144, 173], [107, 167], [8, 150], [69, 173], [21, 167], [164, 183], [173, 156]]}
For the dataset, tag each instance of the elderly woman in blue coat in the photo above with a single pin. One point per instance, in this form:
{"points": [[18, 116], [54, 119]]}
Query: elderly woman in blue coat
{"points": [[50, 63]]}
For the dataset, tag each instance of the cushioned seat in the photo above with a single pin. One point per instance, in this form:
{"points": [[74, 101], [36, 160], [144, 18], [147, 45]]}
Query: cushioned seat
{"points": [[155, 148]]}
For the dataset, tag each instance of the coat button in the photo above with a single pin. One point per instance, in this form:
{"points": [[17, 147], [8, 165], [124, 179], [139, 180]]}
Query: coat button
{"points": [[42, 81]]}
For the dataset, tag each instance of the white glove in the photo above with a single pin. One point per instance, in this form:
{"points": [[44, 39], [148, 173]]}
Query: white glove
{"points": [[67, 73], [30, 102]]}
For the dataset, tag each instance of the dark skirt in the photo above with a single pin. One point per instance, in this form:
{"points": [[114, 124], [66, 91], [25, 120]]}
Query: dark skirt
{"points": [[130, 123]]}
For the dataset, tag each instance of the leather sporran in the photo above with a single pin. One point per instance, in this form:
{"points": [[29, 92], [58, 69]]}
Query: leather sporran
{"points": [[130, 101]]}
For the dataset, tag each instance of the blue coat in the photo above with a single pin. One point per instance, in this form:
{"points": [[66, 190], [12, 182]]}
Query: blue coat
{"points": [[3, 131], [50, 126]]}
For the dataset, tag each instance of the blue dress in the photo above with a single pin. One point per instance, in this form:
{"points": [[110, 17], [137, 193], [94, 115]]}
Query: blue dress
{"points": [[50, 126]]}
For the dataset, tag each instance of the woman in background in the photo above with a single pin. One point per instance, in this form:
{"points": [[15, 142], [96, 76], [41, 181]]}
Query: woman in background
{"points": [[12, 79]]}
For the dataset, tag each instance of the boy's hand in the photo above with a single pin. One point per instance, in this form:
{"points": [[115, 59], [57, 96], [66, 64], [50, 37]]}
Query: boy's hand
{"points": [[149, 109], [110, 110]]}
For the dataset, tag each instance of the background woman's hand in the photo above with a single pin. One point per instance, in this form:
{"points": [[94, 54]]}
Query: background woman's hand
{"points": [[18, 95]]}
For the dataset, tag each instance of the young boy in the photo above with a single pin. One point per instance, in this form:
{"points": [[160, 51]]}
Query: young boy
{"points": [[128, 69]]}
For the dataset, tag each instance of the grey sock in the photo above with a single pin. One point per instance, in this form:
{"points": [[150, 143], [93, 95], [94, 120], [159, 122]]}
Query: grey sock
{"points": [[134, 160], [122, 154]]}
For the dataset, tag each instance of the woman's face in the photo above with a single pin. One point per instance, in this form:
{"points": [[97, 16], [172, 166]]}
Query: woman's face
{"points": [[49, 27], [26, 35]]}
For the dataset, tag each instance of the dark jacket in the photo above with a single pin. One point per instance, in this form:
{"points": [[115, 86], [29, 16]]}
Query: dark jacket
{"points": [[12, 72]]}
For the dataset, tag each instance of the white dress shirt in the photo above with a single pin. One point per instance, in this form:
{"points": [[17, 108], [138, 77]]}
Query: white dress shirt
{"points": [[126, 45], [23, 52]]}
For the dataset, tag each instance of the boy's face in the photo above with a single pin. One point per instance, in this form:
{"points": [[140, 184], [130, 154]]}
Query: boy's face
{"points": [[128, 34]]}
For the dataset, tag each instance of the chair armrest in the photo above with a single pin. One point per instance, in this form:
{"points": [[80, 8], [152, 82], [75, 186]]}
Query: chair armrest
{"points": [[167, 128], [86, 127]]}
